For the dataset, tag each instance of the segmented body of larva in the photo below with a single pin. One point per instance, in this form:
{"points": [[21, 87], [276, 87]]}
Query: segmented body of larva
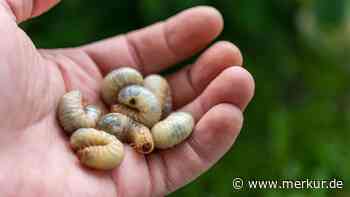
{"points": [[116, 80], [161, 89], [128, 130], [172, 130], [97, 149], [138, 103], [74, 115]]}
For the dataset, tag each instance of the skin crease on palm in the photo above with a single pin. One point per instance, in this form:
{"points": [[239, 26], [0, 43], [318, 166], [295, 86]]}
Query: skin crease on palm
{"points": [[35, 157]]}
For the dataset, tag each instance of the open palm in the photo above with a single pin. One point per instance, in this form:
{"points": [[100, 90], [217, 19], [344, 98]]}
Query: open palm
{"points": [[35, 157]]}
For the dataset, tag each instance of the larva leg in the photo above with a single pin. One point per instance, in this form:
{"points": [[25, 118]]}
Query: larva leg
{"points": [[140, 138], [97, 149]]}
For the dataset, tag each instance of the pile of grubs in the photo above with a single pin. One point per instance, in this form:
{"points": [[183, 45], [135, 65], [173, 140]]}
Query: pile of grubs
{"points": [[140, 115]]}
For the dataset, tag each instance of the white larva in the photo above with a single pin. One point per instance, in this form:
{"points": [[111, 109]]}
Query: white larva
{"points": [[73, 115], [116, 80], [97, 149], [172, 130], [140, 104], [161, 89], [129, 131]]}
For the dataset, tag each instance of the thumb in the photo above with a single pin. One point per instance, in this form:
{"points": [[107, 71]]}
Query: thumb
{"points": [[26, 9]]}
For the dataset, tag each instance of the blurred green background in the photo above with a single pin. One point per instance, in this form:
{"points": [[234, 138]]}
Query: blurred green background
{"points": [[298, 124]]}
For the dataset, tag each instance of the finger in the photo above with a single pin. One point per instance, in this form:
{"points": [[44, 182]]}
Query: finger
{"points": [[26, 9], [212, 137], [215, 120], [234, 85], [155, 48], [189, 82], [132, 176]]}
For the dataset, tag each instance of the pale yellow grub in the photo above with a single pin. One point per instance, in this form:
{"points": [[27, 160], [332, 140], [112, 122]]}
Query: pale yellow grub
{"points": [[172, 130], [138, 103], [97, 149], [73, 115], [116, 80], [128, 131], [159, 86]]}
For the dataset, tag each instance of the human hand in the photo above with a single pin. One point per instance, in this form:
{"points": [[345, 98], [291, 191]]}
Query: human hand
{"points": [[35, 157]]}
